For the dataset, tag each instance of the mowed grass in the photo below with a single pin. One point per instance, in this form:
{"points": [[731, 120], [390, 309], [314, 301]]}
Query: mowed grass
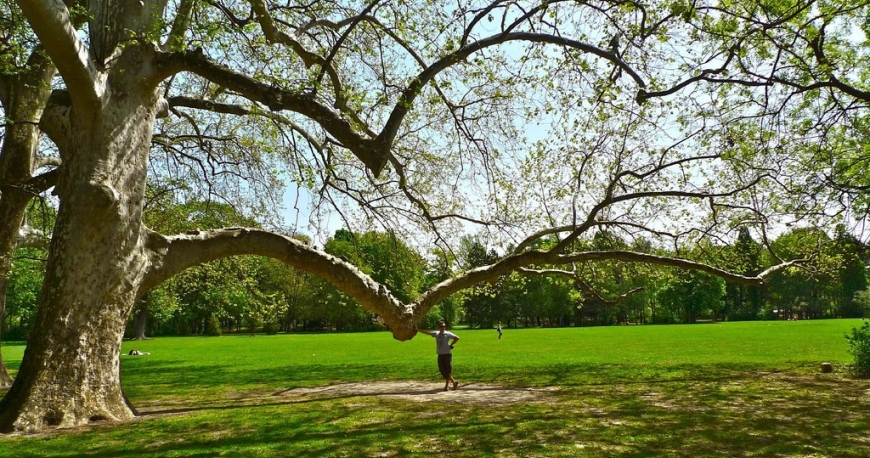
{"points": [[719, 389]]}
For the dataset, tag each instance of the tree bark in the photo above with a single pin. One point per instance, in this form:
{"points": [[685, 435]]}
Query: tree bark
{"points": [[5, 378], [140, 322], [70, 374], [24, 97]]}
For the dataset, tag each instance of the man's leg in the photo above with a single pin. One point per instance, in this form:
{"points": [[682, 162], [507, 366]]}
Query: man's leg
{"points": [[445, 368]]}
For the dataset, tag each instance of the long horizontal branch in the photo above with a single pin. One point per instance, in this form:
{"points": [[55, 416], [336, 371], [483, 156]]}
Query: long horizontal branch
{"points": [[174, 254], [643, 95], [632, 256], [518, 261], [834, 83], [207, 105]]}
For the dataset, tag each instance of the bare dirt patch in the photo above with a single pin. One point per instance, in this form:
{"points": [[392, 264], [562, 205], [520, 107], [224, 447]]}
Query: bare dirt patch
{"points": [[471, 393]]}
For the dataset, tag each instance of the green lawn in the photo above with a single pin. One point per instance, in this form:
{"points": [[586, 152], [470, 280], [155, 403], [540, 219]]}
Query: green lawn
{"points": [[733, 389]]}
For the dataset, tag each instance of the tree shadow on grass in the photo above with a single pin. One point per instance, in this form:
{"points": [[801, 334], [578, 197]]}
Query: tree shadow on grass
{"points": [[153, 380], [616, 410], [751, 414], [171, 379], [361, 440], [682, 422], [475, 393]]}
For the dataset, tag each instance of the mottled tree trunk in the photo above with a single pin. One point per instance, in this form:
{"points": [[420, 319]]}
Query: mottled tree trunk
{"points": [[70, 374]]}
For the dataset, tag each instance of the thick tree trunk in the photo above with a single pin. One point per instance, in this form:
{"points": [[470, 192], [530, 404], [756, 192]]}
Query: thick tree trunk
{"points": [[70, 374], [78, 378]]}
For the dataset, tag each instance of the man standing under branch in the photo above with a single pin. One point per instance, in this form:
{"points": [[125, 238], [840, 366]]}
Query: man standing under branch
{"points": [[445, 340]]}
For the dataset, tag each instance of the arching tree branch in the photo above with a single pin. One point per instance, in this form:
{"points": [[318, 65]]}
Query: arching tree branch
{"points": [[174, 254]]}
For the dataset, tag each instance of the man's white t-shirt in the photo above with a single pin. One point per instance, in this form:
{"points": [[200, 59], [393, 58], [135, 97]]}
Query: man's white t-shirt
{"points": [[443, 341]]}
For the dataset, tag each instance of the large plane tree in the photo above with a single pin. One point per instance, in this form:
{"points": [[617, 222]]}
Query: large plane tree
{"points": [[523, 120]]}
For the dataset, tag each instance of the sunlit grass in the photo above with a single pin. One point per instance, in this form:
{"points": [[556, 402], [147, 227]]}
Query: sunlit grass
{"points": [[732, 389]]}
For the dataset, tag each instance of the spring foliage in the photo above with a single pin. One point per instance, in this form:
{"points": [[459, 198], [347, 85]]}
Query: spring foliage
{"points": [[859, 347]]}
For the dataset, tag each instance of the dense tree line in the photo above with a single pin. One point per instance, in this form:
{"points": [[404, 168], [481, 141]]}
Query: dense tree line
{"points": [[832, 284], [257, 294]]}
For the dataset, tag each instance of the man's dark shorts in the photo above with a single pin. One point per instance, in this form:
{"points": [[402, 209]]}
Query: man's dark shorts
{"points": [[445, 365]]}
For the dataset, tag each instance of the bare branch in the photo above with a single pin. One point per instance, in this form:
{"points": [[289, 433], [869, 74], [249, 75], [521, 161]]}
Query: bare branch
{"points": [[631, 256], [372, 152], [207, 105], [410, 93], [584, 286]]}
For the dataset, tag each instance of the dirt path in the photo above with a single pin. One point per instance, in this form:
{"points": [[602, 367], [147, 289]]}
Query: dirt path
{"points": [[471, 393]]}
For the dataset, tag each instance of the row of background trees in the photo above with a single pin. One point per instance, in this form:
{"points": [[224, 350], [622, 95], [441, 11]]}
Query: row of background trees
{"points": [[257, 294]]}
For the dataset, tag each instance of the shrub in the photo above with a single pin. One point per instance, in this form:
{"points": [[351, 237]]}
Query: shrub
{"points": [[859, 347], [253, 322], [213, 326], [271, 328]]}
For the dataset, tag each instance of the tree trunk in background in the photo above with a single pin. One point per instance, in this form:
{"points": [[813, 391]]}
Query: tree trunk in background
{"points": [[5, 378], [140, 323], [25, 97]]}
